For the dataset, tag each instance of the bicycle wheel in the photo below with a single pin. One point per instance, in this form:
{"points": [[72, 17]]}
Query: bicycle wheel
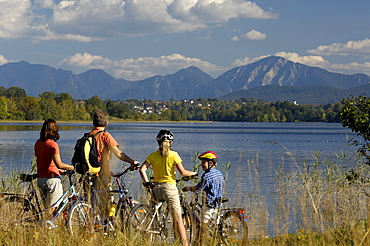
{"points": [[80, 218], [122, 215], [17, 211], [188, 220], [139, 218], [234, 228]]}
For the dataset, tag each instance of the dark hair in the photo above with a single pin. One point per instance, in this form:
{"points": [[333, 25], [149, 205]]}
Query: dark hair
{"points": [[49, 130], [100, 118]]}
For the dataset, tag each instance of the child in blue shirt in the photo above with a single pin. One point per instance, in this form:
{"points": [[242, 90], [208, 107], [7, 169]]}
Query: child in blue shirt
{"points": [[212, 182]]}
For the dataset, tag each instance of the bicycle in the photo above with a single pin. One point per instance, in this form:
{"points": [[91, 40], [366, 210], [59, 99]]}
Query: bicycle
{"points": [[156, 221], [89, 214], [26, 209], [122, 205], [227, 226]]}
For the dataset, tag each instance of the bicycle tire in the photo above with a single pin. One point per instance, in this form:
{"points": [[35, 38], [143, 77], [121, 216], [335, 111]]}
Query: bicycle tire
{"points": [[139, 217], [189, 223], [139, 220], [80, 218], [17, 210], [234, 229], [122, 215]]}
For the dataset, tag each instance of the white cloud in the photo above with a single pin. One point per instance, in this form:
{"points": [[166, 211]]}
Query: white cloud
{"points": [[15, 16], [139, 68], [3, 60], [246, 60], [353, 66], [208, 37], [82, 20], [254, 35], [235, 39], [314, 61], [207, 11], [350, 48]]}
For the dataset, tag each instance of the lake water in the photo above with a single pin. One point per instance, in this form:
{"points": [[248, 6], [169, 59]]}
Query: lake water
{"points": [[254, 150]]}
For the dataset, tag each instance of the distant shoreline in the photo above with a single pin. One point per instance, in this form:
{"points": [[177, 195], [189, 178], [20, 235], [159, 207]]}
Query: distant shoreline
{"points": [[110, 121]]}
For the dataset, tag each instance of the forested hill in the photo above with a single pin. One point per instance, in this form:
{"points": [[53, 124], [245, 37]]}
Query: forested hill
{"points": [[16, 105]]}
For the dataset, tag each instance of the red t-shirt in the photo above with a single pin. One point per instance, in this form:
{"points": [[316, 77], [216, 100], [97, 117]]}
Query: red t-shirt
{"points": [[44, 152]]}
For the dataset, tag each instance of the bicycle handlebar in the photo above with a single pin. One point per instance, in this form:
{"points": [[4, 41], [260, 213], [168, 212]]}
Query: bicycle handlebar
{"points": [[117, 175], [187, 178], [184, 178]]}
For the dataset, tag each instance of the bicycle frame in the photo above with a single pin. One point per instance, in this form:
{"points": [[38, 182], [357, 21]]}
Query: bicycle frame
{"points": [[123, 198], [65, 199], [100, 214], [31, 201], [155, 215]]}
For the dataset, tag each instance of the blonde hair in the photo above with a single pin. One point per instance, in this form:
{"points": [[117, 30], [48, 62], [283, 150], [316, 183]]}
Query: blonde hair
{"points": [[165, 147]]}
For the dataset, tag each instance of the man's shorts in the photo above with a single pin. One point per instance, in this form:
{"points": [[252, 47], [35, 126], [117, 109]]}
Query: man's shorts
{"points": [[51, 189], [170, 194]]}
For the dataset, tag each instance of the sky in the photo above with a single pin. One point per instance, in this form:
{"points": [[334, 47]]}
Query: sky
{"points": [[138, 39]]}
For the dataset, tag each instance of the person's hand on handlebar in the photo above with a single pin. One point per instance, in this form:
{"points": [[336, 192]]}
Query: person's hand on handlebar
{"points": [[148, 185], [135, 165], [185, 189], [187, 178]]}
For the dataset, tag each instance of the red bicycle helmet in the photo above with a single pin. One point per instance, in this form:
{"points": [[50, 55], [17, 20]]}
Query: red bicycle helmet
{"points": [[210, 156]]}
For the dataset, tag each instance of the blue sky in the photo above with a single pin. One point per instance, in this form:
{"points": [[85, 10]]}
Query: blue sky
{"points": [[138, 39]]}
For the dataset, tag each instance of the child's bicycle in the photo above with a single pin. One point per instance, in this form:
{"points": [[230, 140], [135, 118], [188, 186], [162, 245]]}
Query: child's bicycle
{"points": [[155, 222], [26, 210], [227, 225], [91, 216]]}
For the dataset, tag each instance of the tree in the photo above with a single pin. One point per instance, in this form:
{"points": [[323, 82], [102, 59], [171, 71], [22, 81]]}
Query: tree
{"points": [[31, 107], [355, 115], [3, 108], [16, 92], [93, 104], [49, 105]]}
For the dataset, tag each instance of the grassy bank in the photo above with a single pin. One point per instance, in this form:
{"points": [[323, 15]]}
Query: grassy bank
{"points": [[323, 202]]}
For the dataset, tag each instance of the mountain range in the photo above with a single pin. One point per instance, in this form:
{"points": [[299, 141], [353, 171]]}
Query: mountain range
{"points": [[271, 79]]}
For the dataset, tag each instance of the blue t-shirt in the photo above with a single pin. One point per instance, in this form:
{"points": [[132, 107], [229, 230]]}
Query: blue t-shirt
{"points": [[212, 183]]}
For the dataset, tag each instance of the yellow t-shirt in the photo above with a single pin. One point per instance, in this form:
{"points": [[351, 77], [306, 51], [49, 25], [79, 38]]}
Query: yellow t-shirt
{"points": [[164, 168]]}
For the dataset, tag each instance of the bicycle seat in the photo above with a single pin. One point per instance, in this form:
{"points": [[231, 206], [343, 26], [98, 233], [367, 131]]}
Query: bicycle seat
{"points": [[28, 177], [225, 199]]}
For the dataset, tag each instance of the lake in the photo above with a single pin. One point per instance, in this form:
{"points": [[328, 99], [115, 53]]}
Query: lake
{"points": [[255, 150]]}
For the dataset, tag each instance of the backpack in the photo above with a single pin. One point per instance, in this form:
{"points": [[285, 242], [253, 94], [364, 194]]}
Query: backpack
{"points": [[85, 157]]}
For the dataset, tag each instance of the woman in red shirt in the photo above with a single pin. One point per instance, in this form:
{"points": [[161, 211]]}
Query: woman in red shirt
{"points": [[49, 164]]}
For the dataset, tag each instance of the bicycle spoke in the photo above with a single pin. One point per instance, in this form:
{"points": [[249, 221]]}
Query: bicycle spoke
{"points": [[17, 211], [80, 219], [234, 228]]}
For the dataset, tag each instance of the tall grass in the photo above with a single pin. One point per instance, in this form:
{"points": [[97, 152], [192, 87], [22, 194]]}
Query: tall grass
{"points": [[322, 202]]}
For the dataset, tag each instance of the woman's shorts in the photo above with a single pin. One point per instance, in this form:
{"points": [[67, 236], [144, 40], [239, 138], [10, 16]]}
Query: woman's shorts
{"points": [[51, 189], [170, 194]]}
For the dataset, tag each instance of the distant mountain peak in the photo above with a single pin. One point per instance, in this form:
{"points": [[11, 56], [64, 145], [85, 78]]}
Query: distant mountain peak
{"points": [[192, 71]]}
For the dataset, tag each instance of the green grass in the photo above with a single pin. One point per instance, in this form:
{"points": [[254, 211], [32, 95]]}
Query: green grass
{"points": [[327, 201]]}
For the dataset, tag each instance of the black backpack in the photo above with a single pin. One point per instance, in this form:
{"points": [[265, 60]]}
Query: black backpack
{"points": [[85, 157]]}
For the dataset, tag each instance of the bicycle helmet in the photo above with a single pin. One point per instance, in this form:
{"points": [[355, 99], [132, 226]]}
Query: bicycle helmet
{"points": [[164, 135], [210, 156]]}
